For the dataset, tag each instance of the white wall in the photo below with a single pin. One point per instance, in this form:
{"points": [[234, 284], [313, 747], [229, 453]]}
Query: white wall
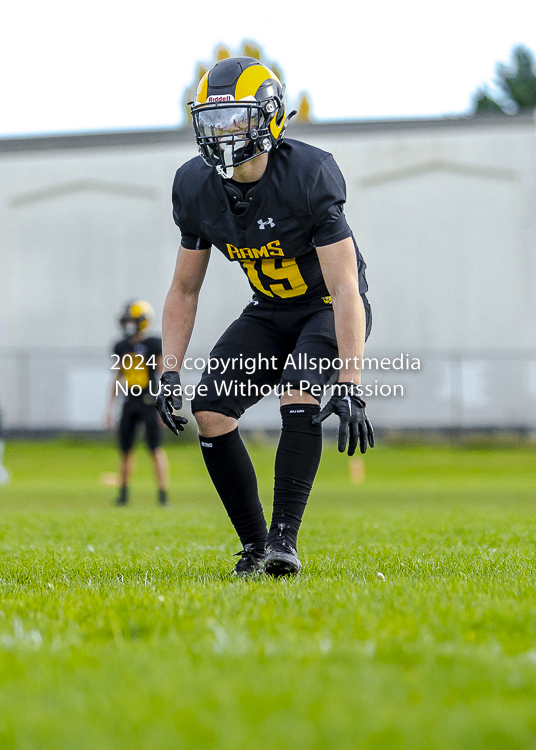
{"points": [[444, 213]]}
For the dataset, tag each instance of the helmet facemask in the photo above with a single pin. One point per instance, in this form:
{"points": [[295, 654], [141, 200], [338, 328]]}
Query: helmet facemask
{"points": [[130, 327], [231, 133]]}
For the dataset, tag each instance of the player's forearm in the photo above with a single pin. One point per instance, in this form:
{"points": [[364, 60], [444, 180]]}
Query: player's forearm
{"points": [[112, 393], [177, 326], [350, 327], [339, 268], [181, 305]]}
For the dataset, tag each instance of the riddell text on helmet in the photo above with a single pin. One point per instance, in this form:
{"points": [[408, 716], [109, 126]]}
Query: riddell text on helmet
{"points": [[221, 98]]}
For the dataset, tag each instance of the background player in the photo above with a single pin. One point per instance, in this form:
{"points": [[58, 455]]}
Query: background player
{"points": [[276, 208], [5, 476], [139, 364]]}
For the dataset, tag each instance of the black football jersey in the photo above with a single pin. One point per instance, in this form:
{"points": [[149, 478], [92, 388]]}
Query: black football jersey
{"points": [[296, 207], [137, 363]]}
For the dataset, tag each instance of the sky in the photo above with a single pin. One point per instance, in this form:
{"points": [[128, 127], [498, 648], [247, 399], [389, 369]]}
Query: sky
{"points": [[115, 65]]}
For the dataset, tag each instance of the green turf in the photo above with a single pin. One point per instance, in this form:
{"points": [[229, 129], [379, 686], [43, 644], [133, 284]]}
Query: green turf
{"points": [[413, 624]]}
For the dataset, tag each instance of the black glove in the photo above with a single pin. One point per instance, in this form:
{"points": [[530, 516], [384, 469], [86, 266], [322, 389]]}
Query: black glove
{"points": [[170, 398], [351, 411]]}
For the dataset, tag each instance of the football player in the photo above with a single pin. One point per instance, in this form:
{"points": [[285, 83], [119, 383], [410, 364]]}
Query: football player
{"points": [[138, 362], [5, 476], [274, 207]]}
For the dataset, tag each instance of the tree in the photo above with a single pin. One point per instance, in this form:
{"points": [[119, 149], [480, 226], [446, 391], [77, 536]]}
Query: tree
{"points": [[516, 83], [484, 104], [304, 108], [249, 49]]}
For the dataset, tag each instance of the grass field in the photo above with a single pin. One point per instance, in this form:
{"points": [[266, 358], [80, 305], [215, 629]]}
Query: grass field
{"points": [[412, 626]]}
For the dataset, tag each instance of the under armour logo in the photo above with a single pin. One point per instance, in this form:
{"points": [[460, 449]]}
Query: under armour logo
{"points": [[268, 223]]}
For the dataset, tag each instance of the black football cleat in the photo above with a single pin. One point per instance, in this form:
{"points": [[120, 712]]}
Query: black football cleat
{"points": [[281, 558], [250, 563], [162, 498]]}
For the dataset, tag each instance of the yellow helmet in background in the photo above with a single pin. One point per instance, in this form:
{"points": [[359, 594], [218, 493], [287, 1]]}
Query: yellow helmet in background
{"points": [[136, 316], [239, 112]]}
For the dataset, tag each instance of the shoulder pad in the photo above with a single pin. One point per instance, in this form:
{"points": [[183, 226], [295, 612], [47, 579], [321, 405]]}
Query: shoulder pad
{"points": [[294, 169]]}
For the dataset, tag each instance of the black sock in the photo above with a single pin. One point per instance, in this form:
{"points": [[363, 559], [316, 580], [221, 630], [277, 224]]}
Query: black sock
{"points": [[122, 498], [233, 475], [296, 463]]}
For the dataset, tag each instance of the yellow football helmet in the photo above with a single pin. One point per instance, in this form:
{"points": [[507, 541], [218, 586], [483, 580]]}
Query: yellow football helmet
{"points": [[239, 112], [136, 316]]}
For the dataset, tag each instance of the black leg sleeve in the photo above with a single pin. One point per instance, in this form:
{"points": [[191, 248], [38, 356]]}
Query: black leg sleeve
{"points": [[296, 463], [233, 475]]}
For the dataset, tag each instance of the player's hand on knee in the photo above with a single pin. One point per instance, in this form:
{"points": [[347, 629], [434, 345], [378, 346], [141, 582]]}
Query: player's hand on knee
{"points": [[169, 399], [355, 426]]}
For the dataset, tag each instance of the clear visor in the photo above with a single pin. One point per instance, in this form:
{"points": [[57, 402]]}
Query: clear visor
{"points": [[231, 121]]}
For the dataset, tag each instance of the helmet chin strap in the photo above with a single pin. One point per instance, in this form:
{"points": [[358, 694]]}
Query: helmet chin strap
{"points": [[226, 168], [225, 172]]}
